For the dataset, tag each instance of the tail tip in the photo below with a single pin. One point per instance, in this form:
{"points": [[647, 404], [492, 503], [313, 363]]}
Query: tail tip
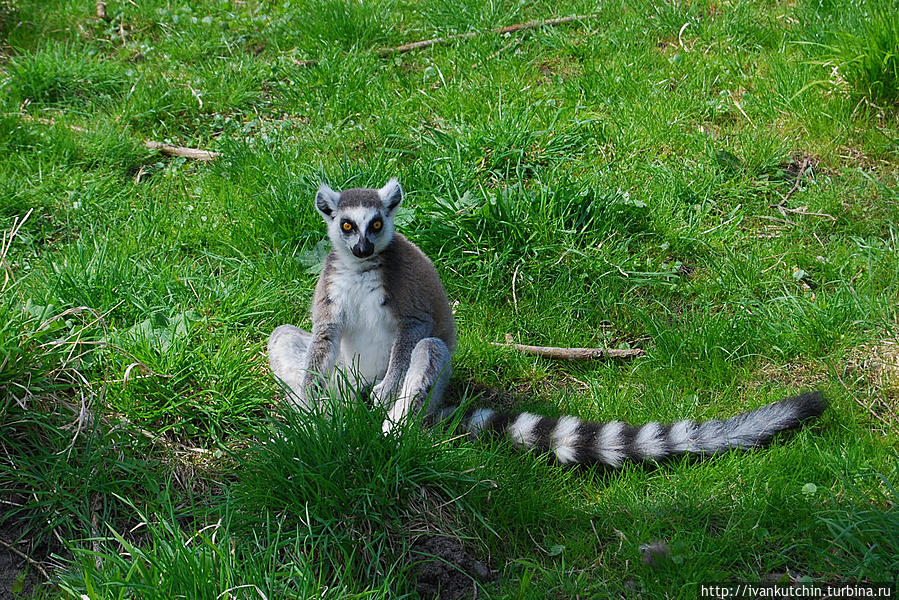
{"points": [[808, 405]]}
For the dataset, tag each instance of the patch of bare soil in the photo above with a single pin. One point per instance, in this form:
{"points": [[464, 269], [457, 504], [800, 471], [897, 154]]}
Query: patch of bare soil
{"points": [[800, 165], [18, 576], [801, 376], [876, 367], [879, 363], [444, 570], [870, 374], [14, 583], [487, 396]]}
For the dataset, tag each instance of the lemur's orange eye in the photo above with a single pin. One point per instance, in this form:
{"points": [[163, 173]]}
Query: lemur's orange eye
{"points": [[347, 226], [376, 225]]}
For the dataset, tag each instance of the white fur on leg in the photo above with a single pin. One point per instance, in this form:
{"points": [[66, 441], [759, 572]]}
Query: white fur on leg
{"points": [[397, 414], [428, 374], [381, 395], [287, 347]]}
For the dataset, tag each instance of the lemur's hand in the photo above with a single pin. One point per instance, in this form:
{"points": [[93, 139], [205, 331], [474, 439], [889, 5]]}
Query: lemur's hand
{"points": [[311, 390], [397, 414], [381, 393]]}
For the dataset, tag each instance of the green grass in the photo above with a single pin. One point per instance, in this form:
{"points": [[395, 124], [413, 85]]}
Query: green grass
{"points": [[613, 182], [869, 60]]}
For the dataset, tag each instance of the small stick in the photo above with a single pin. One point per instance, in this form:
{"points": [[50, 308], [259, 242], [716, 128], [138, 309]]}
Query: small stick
{"points": [[26, 558], [803, 210], [799, 175], [194, 153], [169, 149], [461, 36], [572, 353], [737, 104]]}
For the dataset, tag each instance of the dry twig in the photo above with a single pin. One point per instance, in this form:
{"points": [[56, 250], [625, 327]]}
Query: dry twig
{"points": [[799, 175], [802, 210], [572, 353], [26, 558], [402, 49], [461, 36], [194, 153], [168, 149]]}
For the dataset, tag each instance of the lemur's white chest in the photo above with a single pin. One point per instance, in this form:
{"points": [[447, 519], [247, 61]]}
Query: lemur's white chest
{"points": [[369, 328]]}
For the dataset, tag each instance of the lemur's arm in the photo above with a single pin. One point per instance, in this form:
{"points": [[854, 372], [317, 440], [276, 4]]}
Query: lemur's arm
{"points": [[411, 331], [320, 357]]}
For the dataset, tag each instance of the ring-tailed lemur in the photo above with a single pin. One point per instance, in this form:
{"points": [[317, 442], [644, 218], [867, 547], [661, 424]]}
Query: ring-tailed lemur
{"points": [[381, 314]]}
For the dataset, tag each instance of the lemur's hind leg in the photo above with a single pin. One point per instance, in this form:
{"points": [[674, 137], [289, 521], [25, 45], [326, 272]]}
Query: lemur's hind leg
{"points": [[430, 369], [287, 348]]}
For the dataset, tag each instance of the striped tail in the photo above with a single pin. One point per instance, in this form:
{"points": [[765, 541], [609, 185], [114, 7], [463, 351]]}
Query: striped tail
{"points": [[573, 441]]}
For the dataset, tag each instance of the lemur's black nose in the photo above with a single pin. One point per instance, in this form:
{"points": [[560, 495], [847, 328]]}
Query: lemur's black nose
{"points": [[363, 249]]}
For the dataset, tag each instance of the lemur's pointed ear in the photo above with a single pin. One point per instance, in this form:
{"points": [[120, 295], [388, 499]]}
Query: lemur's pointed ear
{"points": [[391, 194], [326, 201]]}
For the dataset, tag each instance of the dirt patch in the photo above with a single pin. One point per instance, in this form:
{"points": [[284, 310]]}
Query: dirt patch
{"points": [[876, 367], [487, 396], [552, 68], [18, 577], [878, 363], [14, 583], [800, 166], [444, 570], [794, 375]]}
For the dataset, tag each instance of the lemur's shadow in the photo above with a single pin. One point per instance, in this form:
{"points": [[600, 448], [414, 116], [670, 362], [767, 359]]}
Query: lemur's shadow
{"points": [[470, 394]]}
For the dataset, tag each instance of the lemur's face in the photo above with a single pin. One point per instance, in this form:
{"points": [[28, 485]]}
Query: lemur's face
{"points": [[364, 230], [360, 220]]}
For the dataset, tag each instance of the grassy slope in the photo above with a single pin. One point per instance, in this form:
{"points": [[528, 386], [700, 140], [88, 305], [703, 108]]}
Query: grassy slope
{"points": [[601, 183]]}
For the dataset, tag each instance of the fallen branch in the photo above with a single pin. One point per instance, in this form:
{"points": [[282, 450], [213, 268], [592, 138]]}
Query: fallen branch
{"points": [[802, 210], [194, 153], [26, 558], [168, 149], [799, 175], [572, 353], [384, 52], [461, 36]]}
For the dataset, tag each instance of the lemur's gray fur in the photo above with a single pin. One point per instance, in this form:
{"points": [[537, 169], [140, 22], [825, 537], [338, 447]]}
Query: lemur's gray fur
{"points": [[381, 318]]}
